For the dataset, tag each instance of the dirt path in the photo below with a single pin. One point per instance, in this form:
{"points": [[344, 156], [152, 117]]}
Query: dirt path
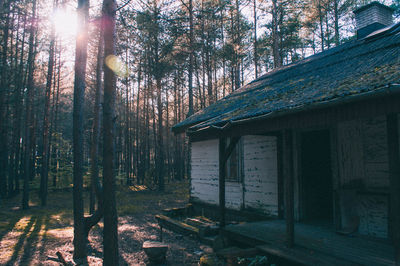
{"points": [[31, 237]]}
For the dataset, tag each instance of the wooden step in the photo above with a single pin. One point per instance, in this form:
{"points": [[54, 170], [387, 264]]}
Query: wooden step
{"points": [[177, 226], [196, 222], [206, 234], [205, 228]]}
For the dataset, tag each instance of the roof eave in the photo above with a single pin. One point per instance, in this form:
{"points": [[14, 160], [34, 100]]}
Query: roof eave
{"points": [[389, 89], [178, 129]]}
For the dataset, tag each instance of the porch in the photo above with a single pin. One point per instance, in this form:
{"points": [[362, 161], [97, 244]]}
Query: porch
{"points": [[314, 245]]}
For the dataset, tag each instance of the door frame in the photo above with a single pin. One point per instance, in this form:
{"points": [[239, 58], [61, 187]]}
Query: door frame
{"points": [[300, 207]]}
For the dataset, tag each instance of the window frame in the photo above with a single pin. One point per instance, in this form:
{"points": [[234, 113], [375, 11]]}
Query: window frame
{"points": [[239, 163]]}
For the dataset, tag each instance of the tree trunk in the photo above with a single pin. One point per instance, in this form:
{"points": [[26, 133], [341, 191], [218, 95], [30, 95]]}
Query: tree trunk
{"points": [[190, 70], [275, 36], [15, 98], [328, 32], [336, 15], [55, 151], [160, 142], [321, 25], [28, 111], [127, 131], [18, 104], [255, 40], [139, 142], [79, 96], [46, 122], [94, 149], [110, 232], [20, 84], [168, 150], [209, 75], [3, 103], [33, 148], [238, 49], [223, 58]]}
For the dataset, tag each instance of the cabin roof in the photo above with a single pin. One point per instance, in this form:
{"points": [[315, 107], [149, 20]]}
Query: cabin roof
{"points": [[367, 66]]}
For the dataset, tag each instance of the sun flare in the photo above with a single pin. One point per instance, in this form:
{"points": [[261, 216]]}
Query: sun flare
{"points": [[65, 23]]}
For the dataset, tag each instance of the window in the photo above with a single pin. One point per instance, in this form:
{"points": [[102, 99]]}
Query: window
{"points": [[234, 163]]}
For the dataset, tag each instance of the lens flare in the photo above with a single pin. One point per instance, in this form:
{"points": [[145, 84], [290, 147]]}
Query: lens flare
{"points": [[117, 66]]}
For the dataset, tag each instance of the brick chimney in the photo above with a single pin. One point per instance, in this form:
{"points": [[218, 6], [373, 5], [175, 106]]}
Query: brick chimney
{"points": [[372, 17]]}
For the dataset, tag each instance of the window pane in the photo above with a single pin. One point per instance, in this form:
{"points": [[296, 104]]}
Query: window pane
{"points": [[234, 163]]}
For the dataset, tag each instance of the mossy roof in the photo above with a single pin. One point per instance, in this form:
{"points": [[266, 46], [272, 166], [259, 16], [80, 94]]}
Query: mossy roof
{"points": [[352, 69]]}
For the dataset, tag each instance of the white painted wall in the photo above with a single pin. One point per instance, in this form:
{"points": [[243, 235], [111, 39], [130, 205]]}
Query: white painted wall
{"points": [[259, 187], [261, 173], [233, 195], [205, 171]]}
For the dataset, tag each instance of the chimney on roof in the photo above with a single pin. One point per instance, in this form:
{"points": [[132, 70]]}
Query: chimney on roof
{"points": [[372, 17]]}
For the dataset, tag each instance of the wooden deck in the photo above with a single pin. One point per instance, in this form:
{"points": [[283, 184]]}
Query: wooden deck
{"points": [[312, 244]]}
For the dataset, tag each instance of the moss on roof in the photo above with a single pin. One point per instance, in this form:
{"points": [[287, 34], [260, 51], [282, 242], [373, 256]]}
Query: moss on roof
{"points": [[350, 69]]}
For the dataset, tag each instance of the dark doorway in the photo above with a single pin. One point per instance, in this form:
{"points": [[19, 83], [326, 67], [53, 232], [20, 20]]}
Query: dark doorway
{"points": [[316, 176]]}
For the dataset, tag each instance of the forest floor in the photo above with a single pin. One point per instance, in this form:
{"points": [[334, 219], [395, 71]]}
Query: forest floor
{"points": [[32, 237]]}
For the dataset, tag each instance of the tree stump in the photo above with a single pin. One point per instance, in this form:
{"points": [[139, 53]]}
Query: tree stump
{"points": [[155, 251]]}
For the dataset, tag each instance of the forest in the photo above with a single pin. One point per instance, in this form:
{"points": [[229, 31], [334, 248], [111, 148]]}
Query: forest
{"points": [[89, 91]]}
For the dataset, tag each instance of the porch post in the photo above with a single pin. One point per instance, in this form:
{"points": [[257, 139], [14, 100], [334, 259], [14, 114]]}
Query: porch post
{"points": [[288, 183], [394, 176], [222, 174]]}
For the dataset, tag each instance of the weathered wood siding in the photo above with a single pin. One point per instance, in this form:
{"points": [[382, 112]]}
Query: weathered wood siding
{"points": [[204, 171], [376, 160], [205, 174], [261, 173], [373, 212], [363, 164], [350, 152], [259, 189], [233, 195]]}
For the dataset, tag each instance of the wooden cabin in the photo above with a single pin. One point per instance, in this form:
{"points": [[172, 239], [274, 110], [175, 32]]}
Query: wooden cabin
{"points": [[315, 142]]}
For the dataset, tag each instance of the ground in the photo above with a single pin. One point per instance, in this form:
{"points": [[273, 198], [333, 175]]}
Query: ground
{"points": [[32, 237]]}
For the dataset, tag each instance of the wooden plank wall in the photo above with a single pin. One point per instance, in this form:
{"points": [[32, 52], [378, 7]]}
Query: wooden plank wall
{"points": [[259, 189], [261, 173], [373, 211], [363, 165], [350, 153], [205, 171], [376, 153], [233, 195]]}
